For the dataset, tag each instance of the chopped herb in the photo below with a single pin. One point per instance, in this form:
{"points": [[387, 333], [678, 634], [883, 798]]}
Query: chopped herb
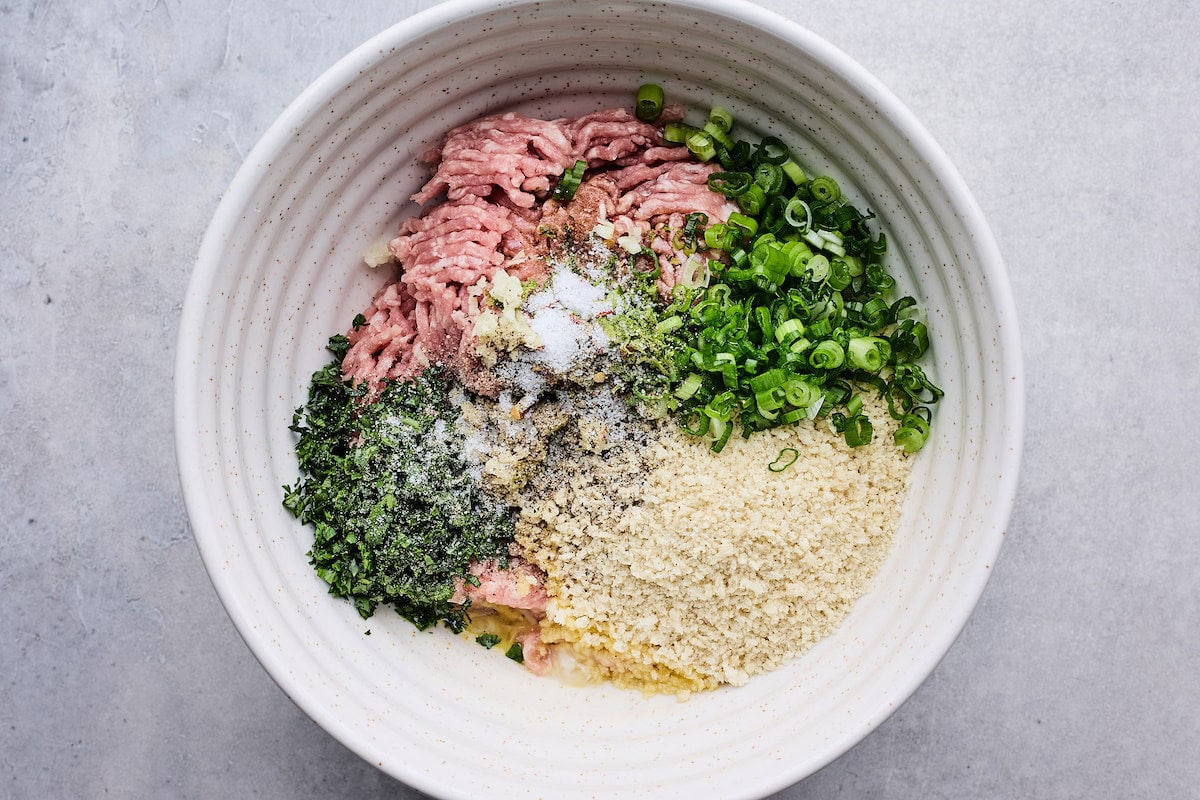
{"points": [[516, 653], [488, 640], [397, 515]]}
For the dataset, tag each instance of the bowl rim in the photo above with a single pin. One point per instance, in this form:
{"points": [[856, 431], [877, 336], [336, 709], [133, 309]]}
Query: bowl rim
{"points": [[276, 138]]}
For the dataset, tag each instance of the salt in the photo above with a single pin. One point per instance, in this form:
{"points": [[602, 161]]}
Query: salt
{"points": [[577, 294], [562, 338], [563, 315]]}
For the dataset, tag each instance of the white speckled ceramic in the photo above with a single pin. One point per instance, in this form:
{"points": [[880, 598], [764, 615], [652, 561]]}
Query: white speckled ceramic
{"points": [[280, 270]]}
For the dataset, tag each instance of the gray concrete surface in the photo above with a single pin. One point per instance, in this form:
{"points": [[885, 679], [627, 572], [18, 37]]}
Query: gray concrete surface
{"points": [[1075, 125]]}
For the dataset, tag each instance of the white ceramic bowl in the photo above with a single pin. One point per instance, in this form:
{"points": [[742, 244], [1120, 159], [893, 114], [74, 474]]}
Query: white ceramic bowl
{"points": [[280, 270]]}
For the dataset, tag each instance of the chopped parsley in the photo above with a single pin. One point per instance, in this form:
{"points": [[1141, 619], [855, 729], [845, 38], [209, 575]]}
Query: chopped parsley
{"points": [[516, 653], [488, 640], [397, 515]]}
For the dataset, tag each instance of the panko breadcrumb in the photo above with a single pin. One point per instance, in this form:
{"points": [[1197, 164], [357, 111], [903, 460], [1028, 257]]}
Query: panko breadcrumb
{"points": [[674, 569]]}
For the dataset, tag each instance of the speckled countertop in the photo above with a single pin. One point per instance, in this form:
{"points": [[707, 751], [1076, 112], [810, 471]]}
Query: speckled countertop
{"points": [[1076, 127]]}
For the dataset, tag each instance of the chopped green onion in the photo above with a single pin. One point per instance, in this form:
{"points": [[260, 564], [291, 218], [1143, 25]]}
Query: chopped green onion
{"points": [[824, 189], [564, 192], [879, 279], [769, 177], [719, 237], [700, 144], [730, 184], [699, 429], [721, 118], [801, 393], [868, 353], [793, 209], [678, 132], [707, 312], [801, 323], [752, 200], [830, 236], [743, 223], [738, 157], [813, 238], [902, 309], [820, 328], [649, 102], [909, 340], [818, 267], [762, 315], [912, 433], [669, 324], [854, 406], [721, 406], [718, 135], [827, 355], [768, 380], [874, 312], [911, 378], [690, 223], [787, 456], [770, 400], [719, 294], [789, 331], [726, 364], [773, 151], [722, 430], [858, 431], [793, 171], [691, 384], [839, 274]]}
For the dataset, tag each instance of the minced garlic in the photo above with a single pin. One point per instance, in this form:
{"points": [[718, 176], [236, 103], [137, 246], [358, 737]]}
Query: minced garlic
{"points": [[503, 328]]}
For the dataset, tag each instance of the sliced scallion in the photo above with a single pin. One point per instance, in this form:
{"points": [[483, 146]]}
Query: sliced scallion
{"points": [[649, 102], [691, 384], [800, 323], [868, 353], [827, 355], [564, 192], [824, 189], [787, 456], [912, 433], [721, 118], [678, 132], [700, 144]]}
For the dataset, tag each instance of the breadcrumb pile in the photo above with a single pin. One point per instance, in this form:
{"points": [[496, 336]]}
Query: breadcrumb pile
{"points": [[671, 569]]}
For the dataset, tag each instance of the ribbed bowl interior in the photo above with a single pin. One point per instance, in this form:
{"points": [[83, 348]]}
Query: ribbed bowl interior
{"points": [[280, 270]]}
